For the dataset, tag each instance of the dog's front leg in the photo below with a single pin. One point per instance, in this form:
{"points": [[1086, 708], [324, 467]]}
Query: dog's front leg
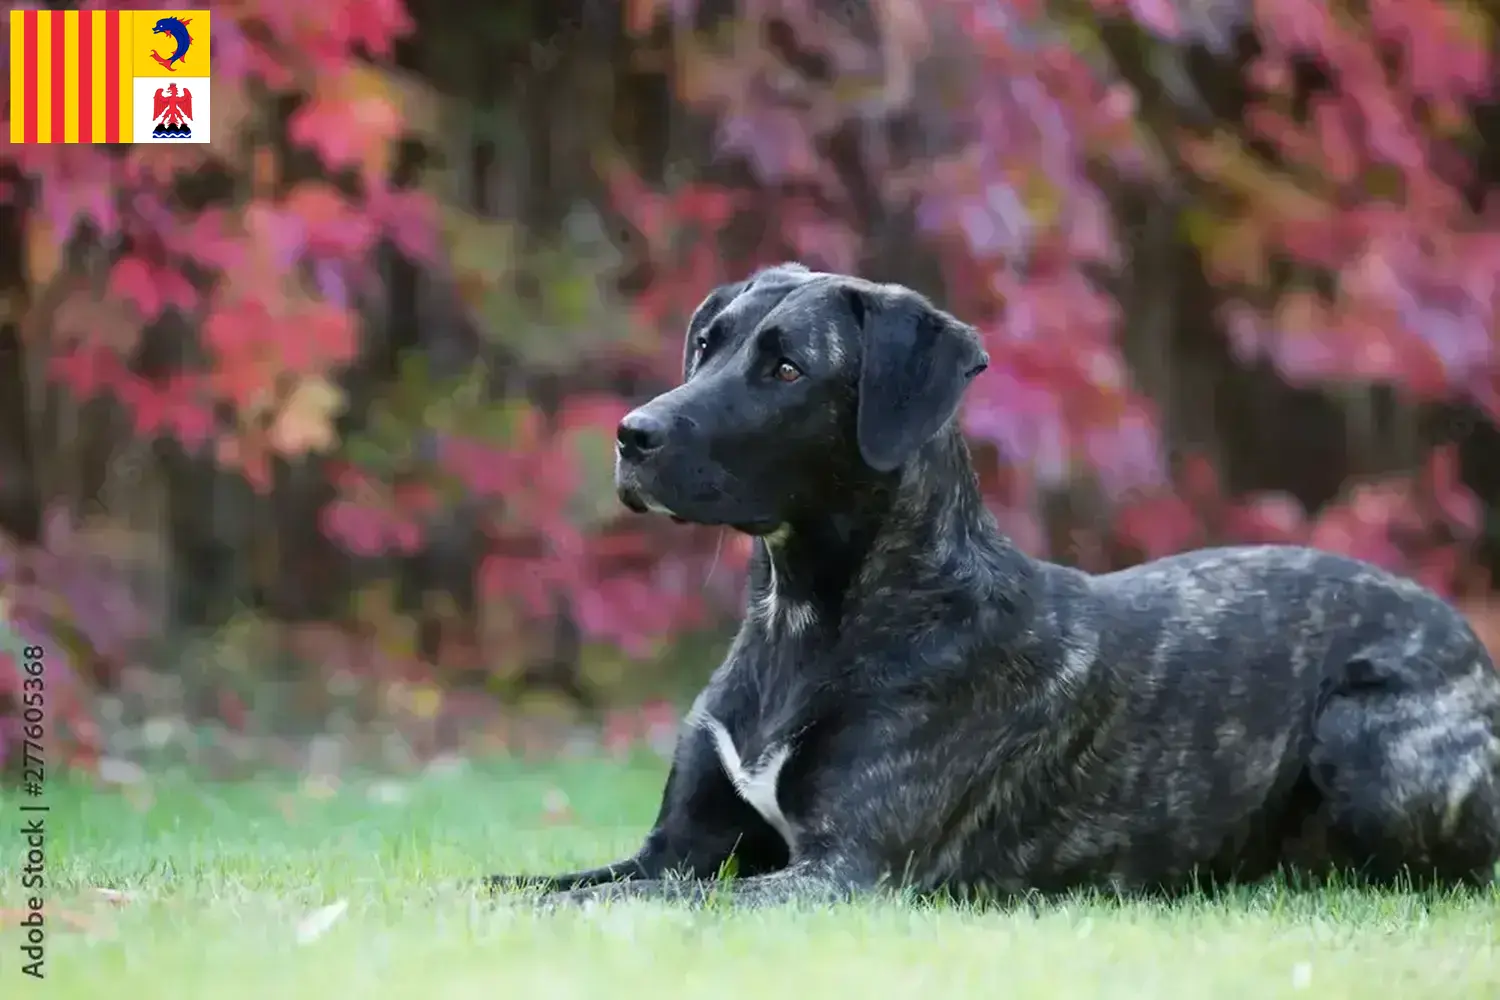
{"points": [[701, 824], [643, 866], [679, 845], [814, 880]]}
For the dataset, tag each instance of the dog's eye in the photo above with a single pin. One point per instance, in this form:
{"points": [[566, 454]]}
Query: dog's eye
{"points": [[701, 345], [787, 372]]}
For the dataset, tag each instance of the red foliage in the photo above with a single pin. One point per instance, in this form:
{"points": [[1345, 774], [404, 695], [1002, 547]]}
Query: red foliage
{"points": [[266, 280], [1378, 202], [1368, 190]]}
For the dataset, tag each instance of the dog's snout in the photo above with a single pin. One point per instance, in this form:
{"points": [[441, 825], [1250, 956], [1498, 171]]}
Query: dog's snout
{"points": [[640, 434]]}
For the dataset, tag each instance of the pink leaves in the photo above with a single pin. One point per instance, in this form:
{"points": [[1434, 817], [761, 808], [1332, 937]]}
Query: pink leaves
{"points": [[340, 27], [373, 517], [352, 119], [376, 24], [1293, 25], [487, 471], [776, 142], [235, 334], [179, 407], [327, 338], [1456, 503], [1158, 525], [637, 611], [1266, 518], [337, 131], [87, 369], [830, 244], [149, 289], [269, 368], [370, 531], [1057, 396], [331, 225], [408, 218], [1416, 526], [1442, 45], [253, 346], [1371, 195], [647, 210], [260, 275]]}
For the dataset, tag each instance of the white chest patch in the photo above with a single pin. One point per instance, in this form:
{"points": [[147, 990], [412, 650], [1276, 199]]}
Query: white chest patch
{"points": [[757, 784]]}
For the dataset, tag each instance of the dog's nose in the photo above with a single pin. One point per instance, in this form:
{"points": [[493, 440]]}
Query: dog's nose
{"points": [[640, 434]]}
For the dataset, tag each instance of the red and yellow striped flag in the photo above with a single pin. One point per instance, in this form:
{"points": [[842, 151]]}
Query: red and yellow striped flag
{"points": [[79, 76]]}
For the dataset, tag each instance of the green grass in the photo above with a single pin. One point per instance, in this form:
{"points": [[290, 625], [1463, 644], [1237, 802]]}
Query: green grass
{"points": [[219, 878]]}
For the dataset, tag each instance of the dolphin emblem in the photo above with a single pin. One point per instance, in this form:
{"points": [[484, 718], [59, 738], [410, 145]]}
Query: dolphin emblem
{"points": [[176, 29]]}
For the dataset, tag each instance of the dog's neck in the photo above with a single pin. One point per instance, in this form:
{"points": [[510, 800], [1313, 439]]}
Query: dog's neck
{"points": [[925, 524]]}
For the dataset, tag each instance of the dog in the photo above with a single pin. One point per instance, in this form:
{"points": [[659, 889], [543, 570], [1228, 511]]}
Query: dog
{"points": [[912, 703]]}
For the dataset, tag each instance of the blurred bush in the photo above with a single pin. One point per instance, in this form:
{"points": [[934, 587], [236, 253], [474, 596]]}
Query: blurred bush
{"points": [[308, 431]]}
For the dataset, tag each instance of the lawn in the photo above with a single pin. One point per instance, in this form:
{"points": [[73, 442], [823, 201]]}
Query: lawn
{"points": [[222, 886]]}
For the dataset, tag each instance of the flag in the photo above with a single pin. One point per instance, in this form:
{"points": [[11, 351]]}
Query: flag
{"points": [[134, 76]]}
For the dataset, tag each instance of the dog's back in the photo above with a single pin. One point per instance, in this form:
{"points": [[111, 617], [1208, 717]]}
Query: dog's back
{"points": [[1235, 710]]}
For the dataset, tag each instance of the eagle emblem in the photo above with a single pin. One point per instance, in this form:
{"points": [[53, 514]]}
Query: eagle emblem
{"points": [[172, 111]]}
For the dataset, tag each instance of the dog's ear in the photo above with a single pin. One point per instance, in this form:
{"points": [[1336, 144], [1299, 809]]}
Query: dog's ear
{"points": [[703, 316], [917, 361]]}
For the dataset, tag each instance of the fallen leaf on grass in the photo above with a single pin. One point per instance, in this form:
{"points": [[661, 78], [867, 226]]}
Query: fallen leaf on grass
{"points": [[388, 793], [555, 807], [1302, 975], [445, 766], [114, 771], [139, 796], [320, 786], [316, 923], [115, 896]]}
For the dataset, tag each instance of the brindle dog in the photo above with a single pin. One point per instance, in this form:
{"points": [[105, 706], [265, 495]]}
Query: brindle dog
{"points": [[912, 701]]}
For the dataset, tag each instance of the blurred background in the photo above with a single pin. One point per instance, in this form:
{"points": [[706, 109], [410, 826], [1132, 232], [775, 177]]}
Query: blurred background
{"points": [[306, 435]]}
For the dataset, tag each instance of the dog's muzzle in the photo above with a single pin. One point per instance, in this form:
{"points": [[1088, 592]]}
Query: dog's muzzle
{"points": [[638, 440]]}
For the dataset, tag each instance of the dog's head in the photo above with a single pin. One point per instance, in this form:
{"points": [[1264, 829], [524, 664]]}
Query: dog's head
{"points": [[797, 388]]}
